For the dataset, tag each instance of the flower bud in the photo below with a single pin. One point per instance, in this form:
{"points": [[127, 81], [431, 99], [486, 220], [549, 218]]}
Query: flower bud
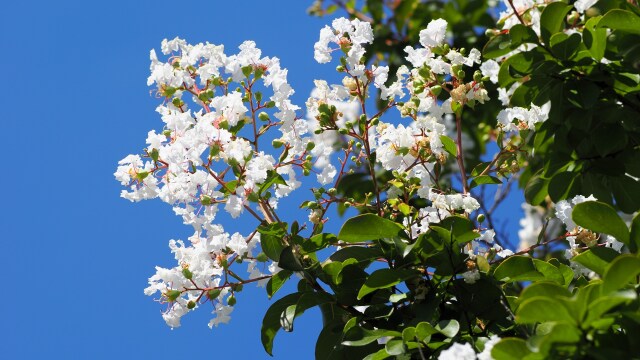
{"points": [[262, 257], [310, 145], [263, 116], [172, 295], [480, 218], [213, 293], [191, 304], [231, 300], [187, 273]]}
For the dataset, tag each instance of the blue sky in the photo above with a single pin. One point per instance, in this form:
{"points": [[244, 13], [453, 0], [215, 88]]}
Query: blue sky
{"points": [[74, 102]]}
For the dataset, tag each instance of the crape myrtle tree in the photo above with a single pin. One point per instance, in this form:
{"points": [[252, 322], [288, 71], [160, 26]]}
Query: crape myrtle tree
{"points": [[395, 156]]}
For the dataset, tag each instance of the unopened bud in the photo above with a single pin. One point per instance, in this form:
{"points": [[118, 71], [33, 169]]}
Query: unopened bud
{"points": [[187, 273], [481, 218], [213, 293], [172, 295]]}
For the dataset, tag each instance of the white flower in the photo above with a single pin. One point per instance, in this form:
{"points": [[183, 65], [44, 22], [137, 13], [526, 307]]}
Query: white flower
{"points": [[488, 236], [458, 352], [488, 346], [583, 5], [238, 244], [222, 315], [234, 206], [490, 68], [434, 34]]}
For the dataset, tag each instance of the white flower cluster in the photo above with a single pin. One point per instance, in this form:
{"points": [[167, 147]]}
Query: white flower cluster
{"points": [[517, 118], [206, 158], [454, 202], [349, 35], [408, 148]]}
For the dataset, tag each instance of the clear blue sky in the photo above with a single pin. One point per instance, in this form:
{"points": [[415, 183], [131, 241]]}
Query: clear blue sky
{"points": [[74, 102]]}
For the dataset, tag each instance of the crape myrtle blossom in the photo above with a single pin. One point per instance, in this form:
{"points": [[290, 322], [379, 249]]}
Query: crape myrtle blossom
{"points": [[209, 157], [518, 118]]}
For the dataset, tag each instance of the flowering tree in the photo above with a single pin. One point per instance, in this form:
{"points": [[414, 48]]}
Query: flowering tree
{"points": [[418, 272]]}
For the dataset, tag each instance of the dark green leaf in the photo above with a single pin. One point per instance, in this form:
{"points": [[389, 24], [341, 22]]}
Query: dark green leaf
{"points": [[536, 190], [281, 313], [318, 242], [276, 281], [484, 179], [634, 237], [562, 185], [358, 336], [368, 227], [623, 20], [384, 278]]}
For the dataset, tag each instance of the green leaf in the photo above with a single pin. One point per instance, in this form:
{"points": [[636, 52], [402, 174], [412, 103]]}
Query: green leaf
{"points": [[484, 179], [363, 255], [282, 313], [384, 278], [448, 328], [603, 305], [561, 185], [634, 236], [459, 226], [395, 347], [449, 145], [276, 281], [273, 178], [318, 242], [561, 334], [359, 336], [521, 34], [290, 260], [497, 46], [623, 20], [627, 193], [564, 46], [545, 289], [378, 355], [542, 309], [602, 218], [621, 272], [368, 227], [552, 19], [517, 268], [596, 259], [595, 39], [424, 330], [536, 190], [272, 246], [510, 349]]}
